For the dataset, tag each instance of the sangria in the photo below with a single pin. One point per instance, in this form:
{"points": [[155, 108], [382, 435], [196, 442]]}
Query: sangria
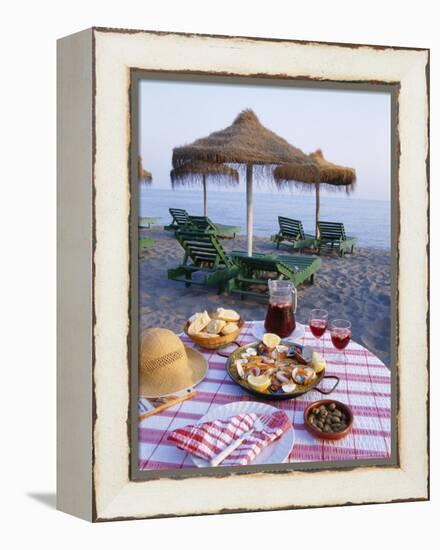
{"points": [[318, 322], [340, 332], [280, 317]]}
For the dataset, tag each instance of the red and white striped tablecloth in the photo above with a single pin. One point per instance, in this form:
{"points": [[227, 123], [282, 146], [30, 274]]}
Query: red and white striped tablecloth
{"points": [[365, 385]]}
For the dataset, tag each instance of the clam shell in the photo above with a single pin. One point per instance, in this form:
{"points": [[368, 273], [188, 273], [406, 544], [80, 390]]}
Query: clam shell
{"points": [[240, 369], [281, 351], [310, 373], [282, 377], [288, 388], [298, 376], [282, 348]]}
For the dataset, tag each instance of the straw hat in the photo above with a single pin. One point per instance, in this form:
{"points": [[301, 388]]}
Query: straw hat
{"points": [[166, 366]]}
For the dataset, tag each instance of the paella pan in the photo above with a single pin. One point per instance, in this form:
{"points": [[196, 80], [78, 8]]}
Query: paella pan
{"points": [[285, 371]]}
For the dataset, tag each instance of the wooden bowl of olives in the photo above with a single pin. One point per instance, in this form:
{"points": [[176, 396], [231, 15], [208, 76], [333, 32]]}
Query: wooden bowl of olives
{"points": [[328, 419]]}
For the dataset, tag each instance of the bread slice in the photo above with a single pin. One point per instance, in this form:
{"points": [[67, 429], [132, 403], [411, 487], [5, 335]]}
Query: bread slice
{"points": [[229, 328], [194, 317], [215, 326], [199, 323], [206, 335], [228, 315]]}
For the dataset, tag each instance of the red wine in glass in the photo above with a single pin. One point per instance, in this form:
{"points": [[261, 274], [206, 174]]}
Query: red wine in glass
{"points": [[340, 332], [318, 323], [341, 338], [280, 319], [318, 326]]}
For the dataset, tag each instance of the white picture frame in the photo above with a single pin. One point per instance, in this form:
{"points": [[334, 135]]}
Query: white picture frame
{"points": [[94, 349]]}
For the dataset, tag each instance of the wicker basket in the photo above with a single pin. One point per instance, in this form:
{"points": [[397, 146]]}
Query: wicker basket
{"points": [[216, 342]]}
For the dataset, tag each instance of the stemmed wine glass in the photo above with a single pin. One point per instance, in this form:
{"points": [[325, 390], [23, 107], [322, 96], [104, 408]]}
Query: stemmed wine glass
{"points": [[318, 321], [340, 332]]}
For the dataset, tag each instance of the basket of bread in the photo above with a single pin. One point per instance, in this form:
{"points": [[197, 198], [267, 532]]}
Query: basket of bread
{"points": [[214, 330]]}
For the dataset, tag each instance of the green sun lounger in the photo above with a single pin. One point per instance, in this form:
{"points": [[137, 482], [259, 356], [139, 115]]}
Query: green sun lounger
{"points": [[292, 231], [332, 234], [203, 223], [256, 270], [180, 219], [205, 259], [236, 272]]}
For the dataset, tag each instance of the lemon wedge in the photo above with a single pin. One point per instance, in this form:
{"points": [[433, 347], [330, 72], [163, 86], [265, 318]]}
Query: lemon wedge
{"points": [[260, 383], [318, 362], [271, 340]]}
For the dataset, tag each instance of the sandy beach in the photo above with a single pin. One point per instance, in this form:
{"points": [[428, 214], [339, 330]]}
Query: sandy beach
{"points": [[356, 287]]}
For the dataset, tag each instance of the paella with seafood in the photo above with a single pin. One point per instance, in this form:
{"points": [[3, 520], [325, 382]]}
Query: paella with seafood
{"points": [[276, 369]]}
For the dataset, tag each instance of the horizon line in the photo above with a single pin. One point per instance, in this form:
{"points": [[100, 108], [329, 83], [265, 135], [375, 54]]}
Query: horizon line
{"points": [[328, 194]]}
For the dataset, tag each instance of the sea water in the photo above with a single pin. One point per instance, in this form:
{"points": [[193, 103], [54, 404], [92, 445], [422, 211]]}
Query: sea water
{"points": [[368, 220]]}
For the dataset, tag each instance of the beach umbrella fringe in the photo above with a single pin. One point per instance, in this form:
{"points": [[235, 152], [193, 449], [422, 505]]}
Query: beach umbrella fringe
{"points": [[256, 154], [195, 173], [144, 176], [286, 185], [245, 141], [197, 180]]}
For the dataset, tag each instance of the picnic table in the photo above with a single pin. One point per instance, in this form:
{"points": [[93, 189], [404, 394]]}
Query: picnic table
{"points": [[365, 385]]}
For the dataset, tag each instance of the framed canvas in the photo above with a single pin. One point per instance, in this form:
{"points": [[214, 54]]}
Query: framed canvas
{"points": [[196, 326]]}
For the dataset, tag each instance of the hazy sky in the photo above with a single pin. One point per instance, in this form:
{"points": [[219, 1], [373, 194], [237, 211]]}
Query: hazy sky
{"points": [[351, 127]]}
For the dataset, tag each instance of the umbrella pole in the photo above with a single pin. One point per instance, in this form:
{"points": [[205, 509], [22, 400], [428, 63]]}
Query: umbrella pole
{"points": [[249, 208], [317, 205], [205, 204]]}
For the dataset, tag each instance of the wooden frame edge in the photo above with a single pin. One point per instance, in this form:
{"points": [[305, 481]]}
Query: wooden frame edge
{"points": [[94, 515]]}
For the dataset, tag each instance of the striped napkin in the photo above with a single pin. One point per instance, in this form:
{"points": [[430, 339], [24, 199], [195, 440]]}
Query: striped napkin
{"points": [[207, 440]]}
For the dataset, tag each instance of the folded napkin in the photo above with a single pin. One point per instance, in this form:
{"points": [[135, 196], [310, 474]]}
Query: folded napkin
{"points": [[207, 440]]}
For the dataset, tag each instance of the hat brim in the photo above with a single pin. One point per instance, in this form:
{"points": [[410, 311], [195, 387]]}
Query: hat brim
{"points": [[198, 367]]}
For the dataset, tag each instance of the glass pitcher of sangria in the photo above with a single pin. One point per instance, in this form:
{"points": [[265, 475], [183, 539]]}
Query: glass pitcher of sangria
{"points": [[280, 317]]}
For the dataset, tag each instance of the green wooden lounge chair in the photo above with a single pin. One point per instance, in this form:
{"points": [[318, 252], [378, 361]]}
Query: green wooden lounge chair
{"points": [[254, 271], [293, 232], [221, 231], [332, 234], [203, 255], [180, 219]]}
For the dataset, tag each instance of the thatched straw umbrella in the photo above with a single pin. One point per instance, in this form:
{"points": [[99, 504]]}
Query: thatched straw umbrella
{"points": [[143, 175], [332, 176], [245, 142], [199, 172]]}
